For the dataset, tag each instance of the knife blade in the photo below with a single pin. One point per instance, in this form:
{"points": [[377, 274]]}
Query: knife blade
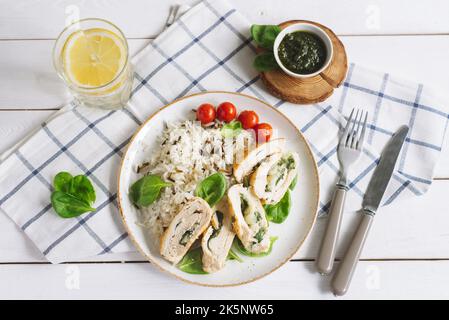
{"points": [[383, 172]]}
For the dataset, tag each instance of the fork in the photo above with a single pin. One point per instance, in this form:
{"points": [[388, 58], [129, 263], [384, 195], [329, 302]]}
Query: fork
{"points": [[348, 152]]}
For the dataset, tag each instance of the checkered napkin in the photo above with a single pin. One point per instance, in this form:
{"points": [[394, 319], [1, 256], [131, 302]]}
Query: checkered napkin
{"points": [[208, 48]]}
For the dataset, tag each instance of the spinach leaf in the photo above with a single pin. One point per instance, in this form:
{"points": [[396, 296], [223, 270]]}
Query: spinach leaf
{"points": [[231, 129], [265, 62], [240, 248], [69, 206], [232, 255], [188, 234], [146, 190], [73, 196], [81, 187], [264, 35], [259, 235], [62, 181], [243, 204], [191, 262], [293, 184], [278, 212], [212, 189]]}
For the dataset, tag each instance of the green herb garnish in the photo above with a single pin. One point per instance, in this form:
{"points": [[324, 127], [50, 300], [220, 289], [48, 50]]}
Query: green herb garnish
{"points": [[191, 262], [212, 189], [232, 255], [62, 181], [265, 62], [243, 204], [82, 187], [294, 182], [240, 248], [146, 190], [231, 129], [264, 35], [259, 235], [290, 163], [187, 235], [72, 196], [278, 212]]}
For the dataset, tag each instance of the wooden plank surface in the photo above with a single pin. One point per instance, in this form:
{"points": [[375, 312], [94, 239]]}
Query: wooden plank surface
{"points": [[44, 19], [295, 280]]}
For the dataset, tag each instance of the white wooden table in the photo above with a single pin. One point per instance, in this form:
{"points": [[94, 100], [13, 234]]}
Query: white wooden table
{"points": [[407, 255]]}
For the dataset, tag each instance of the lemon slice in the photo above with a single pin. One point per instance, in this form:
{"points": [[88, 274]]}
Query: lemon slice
{"points": [[93, 57]]}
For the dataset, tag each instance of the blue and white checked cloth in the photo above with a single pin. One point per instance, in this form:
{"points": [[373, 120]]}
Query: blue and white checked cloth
{"points": [[208, 48]]}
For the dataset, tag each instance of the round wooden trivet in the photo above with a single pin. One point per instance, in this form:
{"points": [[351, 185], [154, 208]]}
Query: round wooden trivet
{"points": [[314, 89]]}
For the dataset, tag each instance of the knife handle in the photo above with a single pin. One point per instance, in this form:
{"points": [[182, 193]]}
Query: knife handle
{"points": [[325, 260], [342, 278]]}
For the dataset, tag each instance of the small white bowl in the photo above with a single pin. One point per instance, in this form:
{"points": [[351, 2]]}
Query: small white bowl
{"points": [[304, 26]]}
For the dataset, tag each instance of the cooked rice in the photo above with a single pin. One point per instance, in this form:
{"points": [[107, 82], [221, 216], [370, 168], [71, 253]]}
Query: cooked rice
{"points": [[188, 153]]}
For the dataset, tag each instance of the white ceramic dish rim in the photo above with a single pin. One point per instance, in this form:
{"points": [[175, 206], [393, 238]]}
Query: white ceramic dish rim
{"points": [[304, 26], [149, 258]]}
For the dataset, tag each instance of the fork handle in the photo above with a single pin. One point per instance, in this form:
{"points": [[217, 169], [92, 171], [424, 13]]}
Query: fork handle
{"points": [[326, 255]]}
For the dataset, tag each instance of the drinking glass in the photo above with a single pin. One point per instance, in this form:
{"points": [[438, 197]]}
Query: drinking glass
{"points": [[92, 57]]}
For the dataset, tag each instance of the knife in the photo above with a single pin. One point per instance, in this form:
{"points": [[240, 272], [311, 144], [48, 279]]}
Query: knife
{"points": [[371, 201]]}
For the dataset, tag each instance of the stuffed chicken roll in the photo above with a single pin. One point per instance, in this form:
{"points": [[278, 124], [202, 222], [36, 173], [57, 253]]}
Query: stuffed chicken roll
{"points": [[217, 240], [250, 223], [274, 175], [184, 229], [255, 156]]}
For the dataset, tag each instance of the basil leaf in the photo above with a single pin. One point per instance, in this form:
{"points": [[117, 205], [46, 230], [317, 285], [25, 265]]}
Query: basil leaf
{"points": [[68, 206], [232, 255], [191, 262], [212, 189], [146, 190], [240, 248], [81, 187], [265, 62], [231, 129], [62, 181], [293, 184], [264, 35], [278, 212]]}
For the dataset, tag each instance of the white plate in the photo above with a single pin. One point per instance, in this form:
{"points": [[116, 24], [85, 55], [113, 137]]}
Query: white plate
{"points": [[291, 234]]}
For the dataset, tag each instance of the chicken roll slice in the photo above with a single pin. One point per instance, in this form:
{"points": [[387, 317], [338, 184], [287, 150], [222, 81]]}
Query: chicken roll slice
{"points": [[217, 240], [255, 156], [250, 223], [273, 177], [184, 229]]}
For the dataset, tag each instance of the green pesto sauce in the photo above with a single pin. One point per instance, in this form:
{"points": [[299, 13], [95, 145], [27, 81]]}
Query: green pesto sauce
{"points": [[302, 52]]}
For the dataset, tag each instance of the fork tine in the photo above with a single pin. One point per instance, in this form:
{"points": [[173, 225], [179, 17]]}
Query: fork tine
{"points": [[351, 132], [355, 133], [362, 134], [344, 136]]}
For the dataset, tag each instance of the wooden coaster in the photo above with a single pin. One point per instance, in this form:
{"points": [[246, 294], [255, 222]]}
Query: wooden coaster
{"points": [[314, 89]]}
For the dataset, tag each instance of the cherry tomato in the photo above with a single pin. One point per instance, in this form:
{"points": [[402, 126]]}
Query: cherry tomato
{"points": [[205, 113], [249, 119], [226, 112], [264, 131]]}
